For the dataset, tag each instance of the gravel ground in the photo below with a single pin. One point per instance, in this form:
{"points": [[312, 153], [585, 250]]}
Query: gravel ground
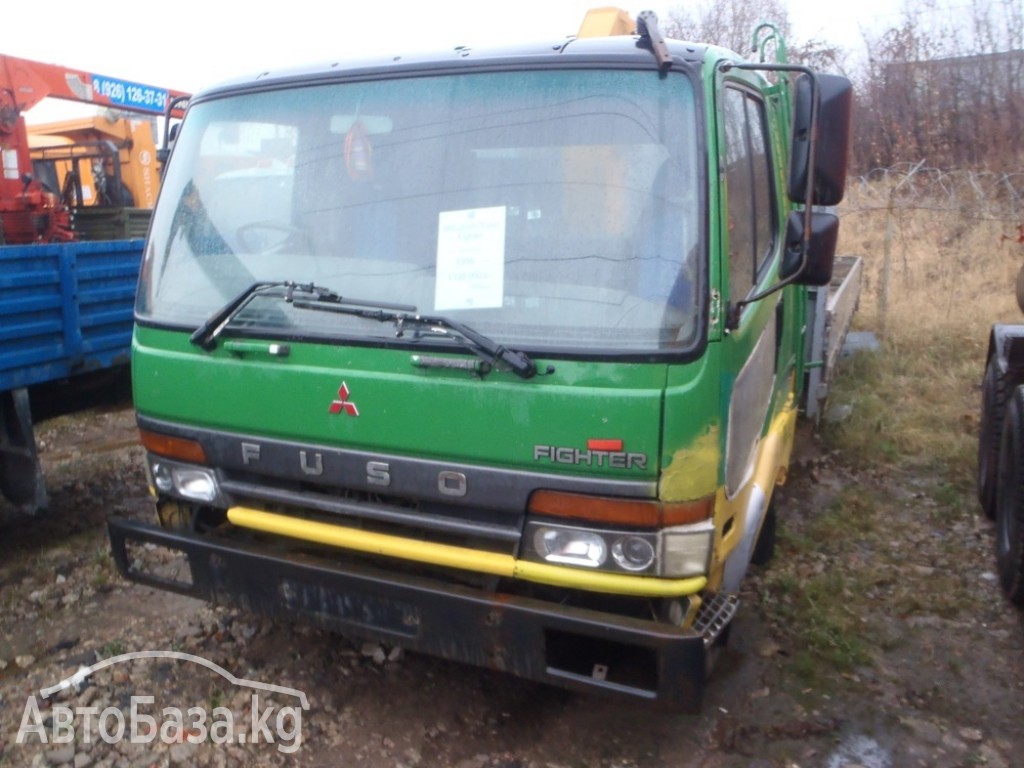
{"points": [[943, 687]]}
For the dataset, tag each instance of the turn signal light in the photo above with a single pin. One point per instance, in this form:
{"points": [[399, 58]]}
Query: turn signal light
{"points": [[172, 447], [615, 511]]}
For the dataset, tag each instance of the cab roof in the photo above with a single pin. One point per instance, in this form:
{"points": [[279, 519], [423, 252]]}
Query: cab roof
{"points": [[621, 50]]}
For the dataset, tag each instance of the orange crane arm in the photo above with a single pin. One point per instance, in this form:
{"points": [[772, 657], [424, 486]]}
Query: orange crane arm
{"points": [[26, 83], [28, 211]]}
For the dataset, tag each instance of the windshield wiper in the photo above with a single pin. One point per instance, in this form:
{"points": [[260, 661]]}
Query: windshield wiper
{"points": [[485, 347], [205, 336], [404, 316]]}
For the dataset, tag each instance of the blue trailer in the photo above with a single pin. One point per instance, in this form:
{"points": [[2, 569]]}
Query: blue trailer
{"points": [[65, 312]]}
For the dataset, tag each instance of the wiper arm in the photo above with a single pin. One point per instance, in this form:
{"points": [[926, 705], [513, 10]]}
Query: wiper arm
{"points": [[327, 300], [403, 316], [205, 335], [485, 347]]}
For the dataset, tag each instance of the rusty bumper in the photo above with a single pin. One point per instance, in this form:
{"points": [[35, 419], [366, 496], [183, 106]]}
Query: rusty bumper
{"points": [[573, 648]]}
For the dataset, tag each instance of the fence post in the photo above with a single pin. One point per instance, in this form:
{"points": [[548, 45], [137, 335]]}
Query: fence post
{"points": [[890, 230], [883, 297]]}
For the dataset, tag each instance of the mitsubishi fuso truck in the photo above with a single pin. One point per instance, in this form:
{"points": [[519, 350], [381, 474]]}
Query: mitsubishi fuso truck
{"points": [[496, 355]]}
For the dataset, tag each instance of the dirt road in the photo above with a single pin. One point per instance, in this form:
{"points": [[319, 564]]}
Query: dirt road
{"points": [[941, 684]]}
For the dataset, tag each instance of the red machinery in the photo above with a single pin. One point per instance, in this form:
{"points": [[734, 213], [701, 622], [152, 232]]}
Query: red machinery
{"points": [[29, 212]]}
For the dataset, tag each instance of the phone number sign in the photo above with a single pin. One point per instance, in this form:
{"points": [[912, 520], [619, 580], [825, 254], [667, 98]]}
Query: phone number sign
{"points": [[123, 93]]}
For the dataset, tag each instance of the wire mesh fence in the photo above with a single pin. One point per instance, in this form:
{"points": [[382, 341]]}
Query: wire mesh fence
{"points": [[995, 196], [946, 235]]}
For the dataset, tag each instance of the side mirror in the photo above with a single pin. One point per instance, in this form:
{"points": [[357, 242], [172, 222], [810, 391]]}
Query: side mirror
{"points": [[831, 145], [164, 152], [820, 248], [174, 106]]}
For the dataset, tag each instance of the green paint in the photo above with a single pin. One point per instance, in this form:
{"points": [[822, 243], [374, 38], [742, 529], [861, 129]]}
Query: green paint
{"points": [[403, 409]]}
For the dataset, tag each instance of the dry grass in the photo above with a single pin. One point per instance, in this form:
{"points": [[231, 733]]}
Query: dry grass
{"points": [[936, 279], [949, 270], [891, 528]]}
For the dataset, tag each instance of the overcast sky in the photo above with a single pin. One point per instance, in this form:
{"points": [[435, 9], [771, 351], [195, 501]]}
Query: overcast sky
{"points": [[188, 44]]}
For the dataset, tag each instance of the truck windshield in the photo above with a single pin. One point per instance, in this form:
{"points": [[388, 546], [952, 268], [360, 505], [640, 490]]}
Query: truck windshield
{"points": [[551, 210]]}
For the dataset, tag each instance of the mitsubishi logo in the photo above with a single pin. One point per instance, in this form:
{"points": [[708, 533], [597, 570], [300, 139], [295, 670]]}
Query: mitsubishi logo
{"points": [[343, 403]]}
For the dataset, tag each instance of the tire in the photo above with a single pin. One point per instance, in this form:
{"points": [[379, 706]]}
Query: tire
{"points": [[764, 549], [993, 404], [1010, 501]]}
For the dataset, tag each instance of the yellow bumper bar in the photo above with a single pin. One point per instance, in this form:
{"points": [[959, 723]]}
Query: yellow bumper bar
{"points": [[492, 563]]}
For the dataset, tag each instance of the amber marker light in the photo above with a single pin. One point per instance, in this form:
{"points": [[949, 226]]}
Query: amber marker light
{"points": [[615, 511], [172, 447]]}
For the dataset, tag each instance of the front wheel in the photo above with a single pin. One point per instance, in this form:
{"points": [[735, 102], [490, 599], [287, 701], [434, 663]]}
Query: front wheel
{"points": [[1009, 500]]}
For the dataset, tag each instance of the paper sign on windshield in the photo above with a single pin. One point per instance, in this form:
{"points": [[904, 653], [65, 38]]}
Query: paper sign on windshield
{"points": [[470, 259]]}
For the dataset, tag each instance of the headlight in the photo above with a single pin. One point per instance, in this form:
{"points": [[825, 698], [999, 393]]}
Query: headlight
{"points": [[679, 551], [616, 551], [196, 484], [184, 480], [568, 546], [641, 537], [161, 475], [633, 553]]}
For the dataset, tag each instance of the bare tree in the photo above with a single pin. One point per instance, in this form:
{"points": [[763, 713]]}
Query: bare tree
{"points": [[944, 87], [728, 23], [819, 55]]}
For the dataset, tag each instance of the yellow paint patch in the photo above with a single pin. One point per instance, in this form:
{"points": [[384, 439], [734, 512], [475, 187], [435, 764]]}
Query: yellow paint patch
{"points": [[693, 472]]}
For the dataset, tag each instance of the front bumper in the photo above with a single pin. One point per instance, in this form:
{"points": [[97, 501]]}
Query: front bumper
{"points": [[569, 647]]}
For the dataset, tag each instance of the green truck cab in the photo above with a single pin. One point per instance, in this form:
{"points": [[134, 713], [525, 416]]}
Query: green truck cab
{"points": [[494, 355]]}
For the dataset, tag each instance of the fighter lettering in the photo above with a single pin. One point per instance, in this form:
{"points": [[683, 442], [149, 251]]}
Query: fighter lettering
{"points": [[564, 455]]}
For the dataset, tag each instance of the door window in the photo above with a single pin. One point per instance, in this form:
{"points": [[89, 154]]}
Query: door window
{"points": [[749, 184]]}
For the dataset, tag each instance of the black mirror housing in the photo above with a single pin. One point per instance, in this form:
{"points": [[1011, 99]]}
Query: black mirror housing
{"points": [[815, 266], [832, 144]]}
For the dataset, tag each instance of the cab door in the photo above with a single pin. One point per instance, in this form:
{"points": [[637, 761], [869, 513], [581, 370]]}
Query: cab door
{"points": [[752, 381]]}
